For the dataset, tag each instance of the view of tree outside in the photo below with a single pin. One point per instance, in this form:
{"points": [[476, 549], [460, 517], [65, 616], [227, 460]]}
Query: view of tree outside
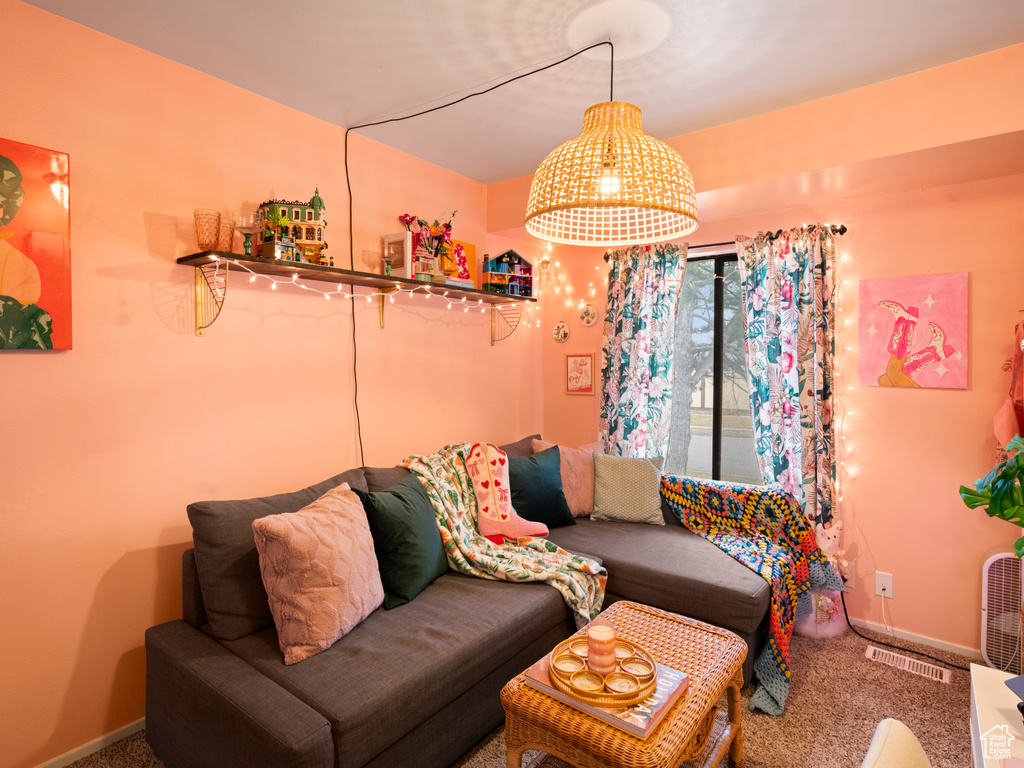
{"points": [[691, 448]]}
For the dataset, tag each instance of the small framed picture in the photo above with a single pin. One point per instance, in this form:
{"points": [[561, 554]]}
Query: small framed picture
{"points": [[397, 258], [579, 374]]}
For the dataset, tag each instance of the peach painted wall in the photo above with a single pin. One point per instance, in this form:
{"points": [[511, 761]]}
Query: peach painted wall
{"points": [[106, 444], [909, 449], [901, 188]]}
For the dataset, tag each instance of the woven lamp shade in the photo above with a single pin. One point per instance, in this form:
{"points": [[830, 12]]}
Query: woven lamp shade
{"points": [[612, 185]]}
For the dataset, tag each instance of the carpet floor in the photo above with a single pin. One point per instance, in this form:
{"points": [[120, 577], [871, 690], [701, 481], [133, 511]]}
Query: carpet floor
{"points": [[836, 699]]}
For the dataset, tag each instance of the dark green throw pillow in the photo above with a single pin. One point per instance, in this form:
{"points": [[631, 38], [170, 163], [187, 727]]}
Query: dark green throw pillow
{"points": [[536, 483], [410, 554]]}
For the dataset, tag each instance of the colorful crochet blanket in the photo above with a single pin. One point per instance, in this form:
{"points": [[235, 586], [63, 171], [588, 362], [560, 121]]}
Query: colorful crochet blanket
{"points": [[764, 529], [580, 580]]}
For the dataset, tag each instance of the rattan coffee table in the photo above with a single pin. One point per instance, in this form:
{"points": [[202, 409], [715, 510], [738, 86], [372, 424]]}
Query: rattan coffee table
{"points": [[694, 733]]}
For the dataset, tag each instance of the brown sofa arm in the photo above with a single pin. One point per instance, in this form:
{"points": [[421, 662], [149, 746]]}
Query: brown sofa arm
{"points": [[206, 708]]}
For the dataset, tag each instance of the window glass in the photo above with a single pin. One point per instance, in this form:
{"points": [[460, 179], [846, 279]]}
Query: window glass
{"points": [[704, 443]]}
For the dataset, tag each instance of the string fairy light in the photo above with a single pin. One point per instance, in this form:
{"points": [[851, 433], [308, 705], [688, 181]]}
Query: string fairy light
{"points": [[339, 290]]}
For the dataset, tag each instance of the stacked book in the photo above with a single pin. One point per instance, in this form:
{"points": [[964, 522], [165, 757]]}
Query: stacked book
{"points": [[640, 719]]}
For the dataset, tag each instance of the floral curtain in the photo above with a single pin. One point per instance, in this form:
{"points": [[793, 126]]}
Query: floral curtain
{"points": [[789, 304], [636, 404]]}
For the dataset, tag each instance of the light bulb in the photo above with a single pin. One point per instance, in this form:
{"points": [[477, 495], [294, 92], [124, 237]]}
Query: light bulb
{"points": [[610, 184]]}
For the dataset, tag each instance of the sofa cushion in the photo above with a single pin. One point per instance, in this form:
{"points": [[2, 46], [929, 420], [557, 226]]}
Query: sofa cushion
{"points": [[226, 558], [576, 466], [536, 484], [627, 489], [319, 570], [673, 569], [382, 478], [398, 667], [519, 448], [406, 539]]}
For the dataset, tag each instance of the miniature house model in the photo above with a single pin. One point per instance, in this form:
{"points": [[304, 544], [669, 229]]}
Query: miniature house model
{"points": [[508, 273], [292, 230]]}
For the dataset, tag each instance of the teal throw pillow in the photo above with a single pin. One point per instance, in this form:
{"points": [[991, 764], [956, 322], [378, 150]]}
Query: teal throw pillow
{"points": [[406, 540], [536, 483]]}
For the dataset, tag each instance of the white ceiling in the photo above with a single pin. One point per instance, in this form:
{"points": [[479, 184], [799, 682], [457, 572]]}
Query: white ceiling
{"points": [[688, 64]]}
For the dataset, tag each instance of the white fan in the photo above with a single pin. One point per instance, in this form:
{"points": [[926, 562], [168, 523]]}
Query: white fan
{"points": [[1001, 613]]}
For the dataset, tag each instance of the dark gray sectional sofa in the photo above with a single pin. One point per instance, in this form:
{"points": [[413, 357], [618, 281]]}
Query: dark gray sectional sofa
{"points": [[414, 686]]}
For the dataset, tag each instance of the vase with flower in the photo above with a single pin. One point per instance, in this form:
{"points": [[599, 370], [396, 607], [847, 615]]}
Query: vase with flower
{"points": [[434, 256]]}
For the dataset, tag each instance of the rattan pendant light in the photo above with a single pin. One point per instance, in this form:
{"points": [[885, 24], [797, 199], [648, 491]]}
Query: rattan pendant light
{"points": [[612, 185]]}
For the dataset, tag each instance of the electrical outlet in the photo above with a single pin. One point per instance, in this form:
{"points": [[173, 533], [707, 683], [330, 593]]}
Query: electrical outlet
{"points": [[883, 584]]}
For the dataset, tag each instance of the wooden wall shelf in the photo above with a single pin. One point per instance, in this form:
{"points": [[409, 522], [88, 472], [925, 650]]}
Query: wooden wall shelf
{"points": [[211, 288]]}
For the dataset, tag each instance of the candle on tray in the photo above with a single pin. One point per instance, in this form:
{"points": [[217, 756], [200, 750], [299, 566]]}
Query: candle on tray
{"points": [[601, 648]]}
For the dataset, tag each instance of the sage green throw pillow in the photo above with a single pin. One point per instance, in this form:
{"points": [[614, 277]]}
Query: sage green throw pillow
{"points": [[627, 490], [406, 540]]}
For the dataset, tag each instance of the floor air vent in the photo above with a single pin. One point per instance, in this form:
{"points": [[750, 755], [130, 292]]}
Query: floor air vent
{"points": [[907, 664]]}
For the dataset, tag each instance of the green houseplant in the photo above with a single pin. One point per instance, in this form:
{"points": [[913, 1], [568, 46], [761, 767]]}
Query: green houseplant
{"points": [[999, 492]]}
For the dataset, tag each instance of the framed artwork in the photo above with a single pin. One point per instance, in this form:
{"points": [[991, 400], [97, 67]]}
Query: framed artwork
{"points": [[35, 248], [397, 253], [579, 374], [560, 332], [913, 331]]}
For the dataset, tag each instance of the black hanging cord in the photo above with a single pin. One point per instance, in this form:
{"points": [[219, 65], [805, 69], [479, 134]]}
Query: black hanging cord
{"points": [[348, 184], [890, 645], [348, 188], [611, 85]]}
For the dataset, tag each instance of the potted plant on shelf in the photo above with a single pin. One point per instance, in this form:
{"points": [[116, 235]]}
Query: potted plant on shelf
{"points": [[999, 492]]}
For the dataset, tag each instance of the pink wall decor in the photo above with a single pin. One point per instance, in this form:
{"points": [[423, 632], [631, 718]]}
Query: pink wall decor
{"points": [[913, 331], [579, 374]]}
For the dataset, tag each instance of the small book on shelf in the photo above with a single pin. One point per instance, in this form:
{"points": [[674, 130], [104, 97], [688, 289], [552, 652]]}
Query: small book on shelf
{"points": [[640, 719]]}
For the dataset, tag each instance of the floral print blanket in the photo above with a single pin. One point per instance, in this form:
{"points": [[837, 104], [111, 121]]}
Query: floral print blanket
{"points": [[580, 580], [763, 528]]}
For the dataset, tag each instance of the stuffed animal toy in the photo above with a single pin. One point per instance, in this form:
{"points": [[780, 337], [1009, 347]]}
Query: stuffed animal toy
{"points": [[827, 537], [826, 617]]}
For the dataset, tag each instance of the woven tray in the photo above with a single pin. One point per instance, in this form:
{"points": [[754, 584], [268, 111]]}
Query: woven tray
{"points": [[603, 698]]}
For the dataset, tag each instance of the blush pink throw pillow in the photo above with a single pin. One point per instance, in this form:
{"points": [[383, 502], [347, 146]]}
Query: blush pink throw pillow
{"points": [[577, 468], [320, 572]]}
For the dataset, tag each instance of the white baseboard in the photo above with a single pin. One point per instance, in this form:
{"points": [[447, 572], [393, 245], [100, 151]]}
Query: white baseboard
{"points": [[972, 653], [95, 745]]}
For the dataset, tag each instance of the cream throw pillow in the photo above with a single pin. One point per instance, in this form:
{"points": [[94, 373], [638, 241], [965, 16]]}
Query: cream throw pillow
{"points": [[576, 466], [627, 490], [320, 572]]}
